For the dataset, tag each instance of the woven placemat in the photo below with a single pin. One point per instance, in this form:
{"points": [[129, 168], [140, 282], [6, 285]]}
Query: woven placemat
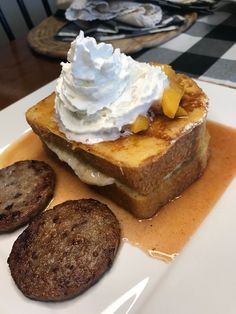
{"points": [[41, 38]]}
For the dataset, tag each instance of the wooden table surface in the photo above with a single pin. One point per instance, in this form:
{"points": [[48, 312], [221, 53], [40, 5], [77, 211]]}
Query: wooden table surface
{"points": [[22, 71]]}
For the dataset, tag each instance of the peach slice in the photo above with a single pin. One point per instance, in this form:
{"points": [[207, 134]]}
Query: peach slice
{"points": [[172, 94], [181, 112], [140, 124], [171, 99]]}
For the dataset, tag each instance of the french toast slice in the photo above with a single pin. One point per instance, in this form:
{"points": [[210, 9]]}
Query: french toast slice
{"points": [[134, 168], [140, 160], [171, 186]]}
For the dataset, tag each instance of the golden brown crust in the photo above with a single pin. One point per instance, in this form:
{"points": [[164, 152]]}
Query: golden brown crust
{"points": [[150, 154], [145, 206], [65, 250], [141, 162]]}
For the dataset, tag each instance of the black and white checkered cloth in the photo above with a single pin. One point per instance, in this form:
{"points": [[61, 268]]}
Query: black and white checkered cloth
{"points": [[206, 51]]}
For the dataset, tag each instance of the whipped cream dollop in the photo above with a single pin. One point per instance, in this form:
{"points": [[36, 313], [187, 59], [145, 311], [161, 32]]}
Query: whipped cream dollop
{"points": [[100, 90]]}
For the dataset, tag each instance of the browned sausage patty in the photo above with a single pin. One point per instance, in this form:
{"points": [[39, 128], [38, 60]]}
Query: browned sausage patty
{"points": [[65, 250], [26, 187]]}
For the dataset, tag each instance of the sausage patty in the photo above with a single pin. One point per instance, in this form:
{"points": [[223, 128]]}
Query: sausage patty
{"points": [[65, 250], [26, 187]]}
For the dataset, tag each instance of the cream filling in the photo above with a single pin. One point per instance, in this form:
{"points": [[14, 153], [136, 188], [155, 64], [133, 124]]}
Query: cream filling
{"points": [[86, 172], [89, 175], [83, 170]]}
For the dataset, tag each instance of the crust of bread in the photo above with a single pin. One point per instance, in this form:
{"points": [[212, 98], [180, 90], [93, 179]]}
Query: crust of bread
{"points": [[171, 186], [139, 161]]}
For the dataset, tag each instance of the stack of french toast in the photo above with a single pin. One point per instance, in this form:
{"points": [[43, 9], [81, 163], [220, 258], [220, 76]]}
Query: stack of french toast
{"points": [[145, 170]]}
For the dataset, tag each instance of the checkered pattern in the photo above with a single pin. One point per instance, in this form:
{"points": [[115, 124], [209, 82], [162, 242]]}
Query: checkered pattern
{"points": [[206, 51]]}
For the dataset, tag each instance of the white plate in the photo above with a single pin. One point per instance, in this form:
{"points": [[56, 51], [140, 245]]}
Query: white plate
{"points": [[202, 279]]}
